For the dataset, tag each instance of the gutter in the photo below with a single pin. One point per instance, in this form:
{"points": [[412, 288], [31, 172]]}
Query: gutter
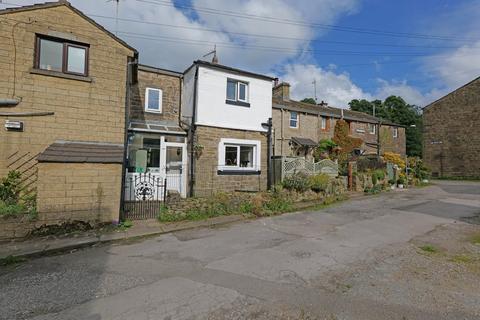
{"points": [[192, 135], [9, 102], [130, 65]]}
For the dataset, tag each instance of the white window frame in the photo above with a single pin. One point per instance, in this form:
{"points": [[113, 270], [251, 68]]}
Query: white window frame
{"points": [[237, 90], [256, 166], [323, 123], [160, 99], [297, 119], [372, 126], [395, 132]]}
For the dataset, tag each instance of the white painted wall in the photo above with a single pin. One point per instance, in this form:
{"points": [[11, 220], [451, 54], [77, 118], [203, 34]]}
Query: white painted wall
{"points": [[213, 111]]}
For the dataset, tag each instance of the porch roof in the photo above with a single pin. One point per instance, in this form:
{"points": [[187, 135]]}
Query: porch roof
{"points": [[305, 142], [82, 152], [156, 127]]}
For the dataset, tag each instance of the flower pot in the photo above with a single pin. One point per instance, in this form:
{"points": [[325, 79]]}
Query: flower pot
{"points": [[400, 186]]}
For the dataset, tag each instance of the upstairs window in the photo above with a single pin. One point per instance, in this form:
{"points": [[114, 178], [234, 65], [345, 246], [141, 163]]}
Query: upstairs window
{"points": [[153, 100], [372, 128], [61, 56], [395, 132], [324, 123], [293, 119], [237, 91]]}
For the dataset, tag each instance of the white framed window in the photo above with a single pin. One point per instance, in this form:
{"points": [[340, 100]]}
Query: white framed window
{"points": [[237, 91], [372, 128], [153, 100], [239, 154], [293, 119], [324, 123], [395, 132]]}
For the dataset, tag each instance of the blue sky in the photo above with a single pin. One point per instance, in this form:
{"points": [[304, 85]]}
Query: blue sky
{"points": [[296, 46]]}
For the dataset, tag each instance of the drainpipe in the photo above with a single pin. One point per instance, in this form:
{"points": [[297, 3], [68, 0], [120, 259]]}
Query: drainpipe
{"points": [[128, 85], [192, 135], [269, 153], [378, 139]]}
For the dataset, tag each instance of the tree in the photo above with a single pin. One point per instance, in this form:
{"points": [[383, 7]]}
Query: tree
{"points": [[309, 101], [396, 110]]}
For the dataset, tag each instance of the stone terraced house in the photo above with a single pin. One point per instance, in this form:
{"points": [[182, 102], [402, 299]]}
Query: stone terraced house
{"points": [[63, 96], [226, 109], [298, 127], [451, 140]]}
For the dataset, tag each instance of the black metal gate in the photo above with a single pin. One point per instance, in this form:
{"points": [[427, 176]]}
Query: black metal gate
{"points": [[145, 194]]}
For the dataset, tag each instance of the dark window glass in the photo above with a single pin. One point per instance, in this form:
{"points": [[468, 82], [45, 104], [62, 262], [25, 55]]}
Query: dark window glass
{"points": [[231, 156], [246, 156], [51, 55], [231, 90], [242, 92]]}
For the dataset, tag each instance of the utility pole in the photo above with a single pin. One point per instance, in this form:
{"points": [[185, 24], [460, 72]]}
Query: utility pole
{"points": [[315, 89]]}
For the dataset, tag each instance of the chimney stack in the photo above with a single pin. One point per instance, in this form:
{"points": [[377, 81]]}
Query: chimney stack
{"points": [[282, 91]]}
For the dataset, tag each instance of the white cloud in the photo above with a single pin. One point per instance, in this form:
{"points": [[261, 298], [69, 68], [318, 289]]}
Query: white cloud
{"points": [[409, 93], [337, 89], [233, 49], [458, 66]]}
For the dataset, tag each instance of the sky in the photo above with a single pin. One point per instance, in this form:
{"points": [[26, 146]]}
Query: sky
{"points": [[352, 49]]}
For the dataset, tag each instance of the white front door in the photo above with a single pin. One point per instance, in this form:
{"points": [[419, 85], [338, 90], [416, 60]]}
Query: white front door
{"points": [[173, 163]]}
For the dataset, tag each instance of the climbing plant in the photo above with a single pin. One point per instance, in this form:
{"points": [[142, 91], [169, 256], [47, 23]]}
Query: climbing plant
{"points": [[343, 139]]}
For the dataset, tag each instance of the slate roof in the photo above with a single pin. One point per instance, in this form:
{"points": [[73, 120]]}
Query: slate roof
{"points": [[328, 111], [304, 142], [229, 69], [82, 152]]}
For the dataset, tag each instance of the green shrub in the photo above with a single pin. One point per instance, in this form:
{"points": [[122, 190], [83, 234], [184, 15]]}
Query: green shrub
{"points": [[401, 180], [319, 182], [10, 187], [373, 190], [298, 182], [374, 179], [278, 204], [246, 207], [12, 209]]}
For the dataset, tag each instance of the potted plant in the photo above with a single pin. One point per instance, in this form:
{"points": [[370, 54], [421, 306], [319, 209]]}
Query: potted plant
{"points": [[392, 184], [198, 150], [400, 182]]}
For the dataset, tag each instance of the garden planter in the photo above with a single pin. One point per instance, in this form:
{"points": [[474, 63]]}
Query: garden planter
{"points": [[400, 186]]}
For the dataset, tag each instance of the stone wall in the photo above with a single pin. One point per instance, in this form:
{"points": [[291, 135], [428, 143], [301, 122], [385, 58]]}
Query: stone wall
{"points": [[390, 144], [170, 86], [310, 127], [85, 108], [79, 191], [451, 145], [207, 179]]}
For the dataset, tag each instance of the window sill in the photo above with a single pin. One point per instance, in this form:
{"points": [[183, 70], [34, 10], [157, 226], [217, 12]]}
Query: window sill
{"points": [[233, 172], [153, 111], [57, 74], [238, 103]]}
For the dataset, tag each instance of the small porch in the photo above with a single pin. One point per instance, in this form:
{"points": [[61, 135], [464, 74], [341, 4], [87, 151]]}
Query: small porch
{"points": [[156, 165]]}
